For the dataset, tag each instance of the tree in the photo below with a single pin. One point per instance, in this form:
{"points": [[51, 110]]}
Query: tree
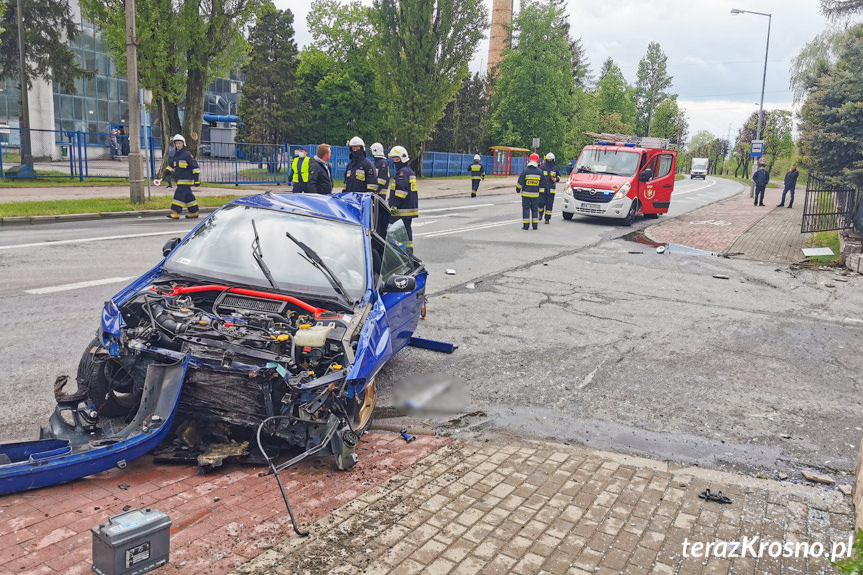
{"points": [[614, 96], [271, 106], [836, 9], [460, 129], [831, 128], [183, 44], [669, 121], [650, 87], [422, 52], [815, 55], [533, 97]]}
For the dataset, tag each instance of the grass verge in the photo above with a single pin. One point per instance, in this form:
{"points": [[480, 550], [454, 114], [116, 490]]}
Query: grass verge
{"points": [[95, 206], [825, 240], [49, 179]]}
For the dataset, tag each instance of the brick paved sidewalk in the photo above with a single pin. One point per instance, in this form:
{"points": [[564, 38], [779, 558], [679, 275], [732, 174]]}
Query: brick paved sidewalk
{"points": [[541, 507], [219, 520]]}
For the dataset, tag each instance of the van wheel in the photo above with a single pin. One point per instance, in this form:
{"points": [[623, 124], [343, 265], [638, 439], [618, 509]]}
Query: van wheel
{"points": [[630, 217], [567, 215]]}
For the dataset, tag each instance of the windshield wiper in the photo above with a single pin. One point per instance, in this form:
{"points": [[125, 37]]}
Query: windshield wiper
{"points": [[259, 257], [313, 258]]}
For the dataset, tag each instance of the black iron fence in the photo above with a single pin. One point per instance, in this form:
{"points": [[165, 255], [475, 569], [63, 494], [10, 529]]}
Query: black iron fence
{"points": [[829, 206]]}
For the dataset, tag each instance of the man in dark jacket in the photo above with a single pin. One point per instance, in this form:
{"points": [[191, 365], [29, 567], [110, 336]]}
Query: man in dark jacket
{"points": [[530, 182], [761, 177], [186, 173], [320, 181], [790, 184], [361, 174]]}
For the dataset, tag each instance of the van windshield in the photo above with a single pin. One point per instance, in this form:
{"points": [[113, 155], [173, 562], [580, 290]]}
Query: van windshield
{"points": [[602, 161]]}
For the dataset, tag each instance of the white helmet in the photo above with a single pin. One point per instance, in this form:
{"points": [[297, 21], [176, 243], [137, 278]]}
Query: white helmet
{"points": [[377, 150], [178, 137], [399, 152], [476, 157], [550, 157], [356, 141]]}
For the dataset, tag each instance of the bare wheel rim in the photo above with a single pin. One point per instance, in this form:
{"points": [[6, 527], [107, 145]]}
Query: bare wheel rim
{"points": [[365, 413]]}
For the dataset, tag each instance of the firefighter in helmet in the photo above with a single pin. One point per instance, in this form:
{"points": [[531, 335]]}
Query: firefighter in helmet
{"points": [[404, 202], [361, 174], [183, 168], [530, 182], [477, 173], [546, 195], [383, 168]]}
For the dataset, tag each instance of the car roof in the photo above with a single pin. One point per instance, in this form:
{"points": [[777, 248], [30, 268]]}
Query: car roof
{"points": [[346, 207]]}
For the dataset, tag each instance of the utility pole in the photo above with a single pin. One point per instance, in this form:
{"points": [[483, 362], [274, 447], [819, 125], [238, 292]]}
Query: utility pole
{"points": [[136, 165], [24, 122]]}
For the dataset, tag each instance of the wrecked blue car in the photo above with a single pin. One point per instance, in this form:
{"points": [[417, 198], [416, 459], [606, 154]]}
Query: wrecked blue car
{"points": [[277, 308]]}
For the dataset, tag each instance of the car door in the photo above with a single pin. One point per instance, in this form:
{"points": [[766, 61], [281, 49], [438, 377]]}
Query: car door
{"points": [[403, 309], [656, 192]]}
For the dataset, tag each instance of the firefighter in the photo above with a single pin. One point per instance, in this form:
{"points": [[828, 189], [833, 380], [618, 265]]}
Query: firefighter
{"points": [[300, 172], [361, 174], [530, 182], [383, 168], [546, 196], [477, 173], [185, 171], [404, 202]]}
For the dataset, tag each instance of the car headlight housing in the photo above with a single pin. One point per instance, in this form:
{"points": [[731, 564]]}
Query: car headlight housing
{"points": [[568, 190], [621, 193]]}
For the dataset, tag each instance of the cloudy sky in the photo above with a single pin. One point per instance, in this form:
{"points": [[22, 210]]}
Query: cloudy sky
{"points": [[715, 58]]}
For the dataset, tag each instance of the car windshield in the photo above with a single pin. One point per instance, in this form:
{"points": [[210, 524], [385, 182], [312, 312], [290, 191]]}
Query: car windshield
{"points": [[225, 247], [605, 161]]}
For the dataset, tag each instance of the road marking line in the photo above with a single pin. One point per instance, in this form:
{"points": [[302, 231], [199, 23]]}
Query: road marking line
{"points": [[698, 189], [469, 228], [77, 285], [458, 208], [180, 233]]}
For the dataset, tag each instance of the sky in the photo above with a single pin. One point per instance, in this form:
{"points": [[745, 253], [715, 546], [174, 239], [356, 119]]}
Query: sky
{"points": [[716, 59]]}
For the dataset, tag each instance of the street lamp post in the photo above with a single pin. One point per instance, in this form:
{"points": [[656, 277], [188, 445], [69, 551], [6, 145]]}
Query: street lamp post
{"points": [[735, 11]]}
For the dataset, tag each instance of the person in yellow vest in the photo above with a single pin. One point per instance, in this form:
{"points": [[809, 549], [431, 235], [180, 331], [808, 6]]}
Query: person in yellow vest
{"points": [[300, 172]]}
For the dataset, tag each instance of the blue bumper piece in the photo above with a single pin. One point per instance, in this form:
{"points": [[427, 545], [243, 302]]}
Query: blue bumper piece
{"points": [[433, 345]]}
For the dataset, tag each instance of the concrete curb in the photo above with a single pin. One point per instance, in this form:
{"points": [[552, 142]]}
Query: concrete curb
{"points": [[857, 491]]}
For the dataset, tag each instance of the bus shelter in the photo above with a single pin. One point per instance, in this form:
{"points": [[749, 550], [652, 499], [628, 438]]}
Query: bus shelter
{"points": [[503, 160]]}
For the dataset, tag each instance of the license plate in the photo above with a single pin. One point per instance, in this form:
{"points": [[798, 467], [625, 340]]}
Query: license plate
{"points": [[586, 206]]}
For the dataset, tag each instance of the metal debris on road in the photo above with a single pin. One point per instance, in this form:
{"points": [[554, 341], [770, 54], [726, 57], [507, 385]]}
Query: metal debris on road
{"points": [[450, 272], [407, 436], [720, 276]]}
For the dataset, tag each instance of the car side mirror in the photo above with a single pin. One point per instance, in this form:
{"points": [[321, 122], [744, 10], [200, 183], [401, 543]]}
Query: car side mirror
{"points": [[400, 284], [169, 246], [646, 175]]}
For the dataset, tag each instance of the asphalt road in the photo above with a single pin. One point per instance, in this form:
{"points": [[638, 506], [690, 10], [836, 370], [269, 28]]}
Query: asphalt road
{"points": [[567, 332]]}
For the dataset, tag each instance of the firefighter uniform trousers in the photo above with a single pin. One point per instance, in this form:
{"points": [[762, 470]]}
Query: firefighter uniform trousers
{"points": [[186, 173], [529, 183], [383, 168], [477, 173], [404, 202], [546, 196]]}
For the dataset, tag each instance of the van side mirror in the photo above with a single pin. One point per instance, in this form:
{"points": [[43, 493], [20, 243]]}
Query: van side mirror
{"points": [[646, 175], [169, 246], [400, 284]]}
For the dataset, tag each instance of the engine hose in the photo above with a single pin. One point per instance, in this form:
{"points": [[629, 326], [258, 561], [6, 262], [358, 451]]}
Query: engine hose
{"points": [[168, 322], [276, 473]]}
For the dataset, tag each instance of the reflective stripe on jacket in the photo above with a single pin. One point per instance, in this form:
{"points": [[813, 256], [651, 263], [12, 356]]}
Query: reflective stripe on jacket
{"points": [[476, 170], [383, 168], [403, 192], [184, 169], [530, 182]]}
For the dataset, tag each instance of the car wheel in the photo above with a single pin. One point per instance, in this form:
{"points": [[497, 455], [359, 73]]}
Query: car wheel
{"points": [[567, 215], [109, 386], [361, 408], [630, 217]]}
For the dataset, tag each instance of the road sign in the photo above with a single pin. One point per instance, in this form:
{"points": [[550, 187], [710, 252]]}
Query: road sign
{"points": [[757, 149], [535, 143]]}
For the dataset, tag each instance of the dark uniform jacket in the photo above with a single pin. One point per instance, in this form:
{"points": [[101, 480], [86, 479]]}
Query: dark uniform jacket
{"points": [[791, 178], [184, 169], [361, 174], [477, 171], [530, 182], [761, 177], [551, 173], [320, 181], [383, 168], [403, 192]]}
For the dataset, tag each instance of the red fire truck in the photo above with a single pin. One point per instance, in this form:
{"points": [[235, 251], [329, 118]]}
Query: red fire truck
{"points": [[621, 177]]}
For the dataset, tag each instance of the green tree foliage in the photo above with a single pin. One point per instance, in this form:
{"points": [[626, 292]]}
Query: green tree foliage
{"points": [[831, 130], [705, 145], [460, 129], [776, 133], [816, 54], [422, 52], [650, 87], [669, 121], [534, 95], [271, 106], [48, 29], [335, 76], [183, 45], [615, 107], [838, 9]]}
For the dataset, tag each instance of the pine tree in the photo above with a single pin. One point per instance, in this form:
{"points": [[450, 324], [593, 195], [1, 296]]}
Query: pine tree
{"points": [[650, 87]]}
